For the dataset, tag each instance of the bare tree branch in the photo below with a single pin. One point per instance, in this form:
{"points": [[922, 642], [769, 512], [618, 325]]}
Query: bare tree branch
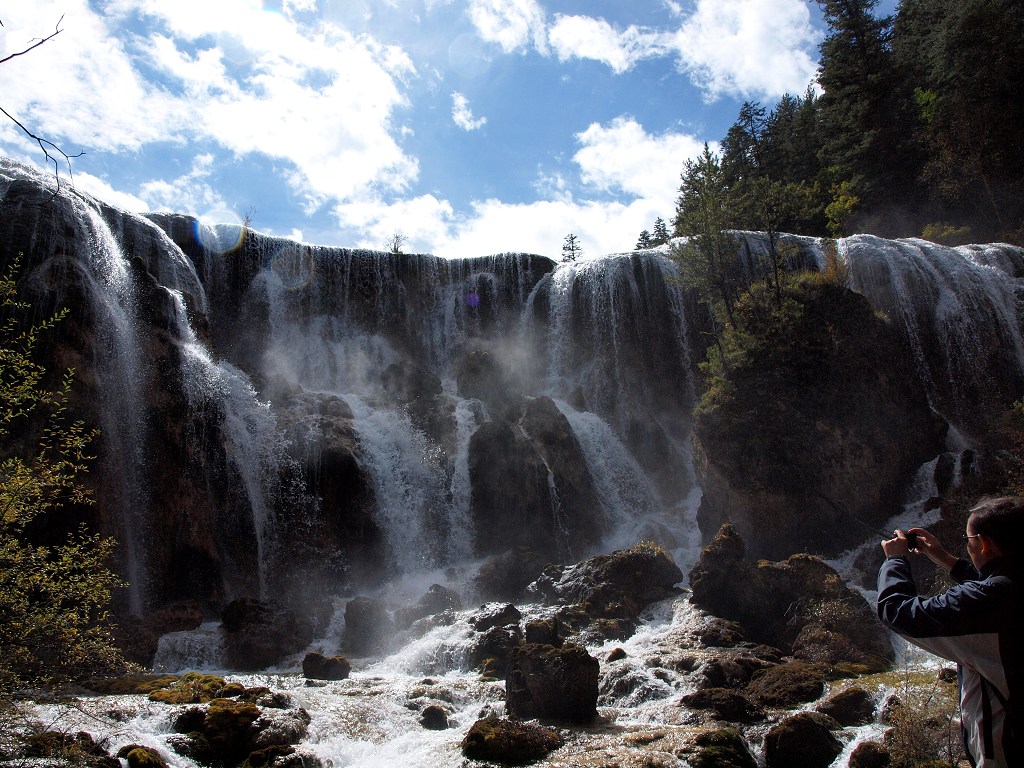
{"points": [[50, 150], [38, 41], [43, 144]]}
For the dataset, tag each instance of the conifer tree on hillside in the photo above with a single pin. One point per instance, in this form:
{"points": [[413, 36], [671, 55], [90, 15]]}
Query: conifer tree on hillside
{"points": [[661, 234], [571, 249], [645, 241]]}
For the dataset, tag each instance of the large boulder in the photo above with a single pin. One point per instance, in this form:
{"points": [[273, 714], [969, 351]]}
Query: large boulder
{"points": [[549, 682], [506, 575], [316, 666], [836, 395], [508, 742], [801, 605], [368, 626], [613, 586], [579, 505], [803, 740], [259, 634], [511, 503]]}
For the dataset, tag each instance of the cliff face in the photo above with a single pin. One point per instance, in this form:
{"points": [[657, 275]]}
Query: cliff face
{"points": [[285, 420], [824, 422]]}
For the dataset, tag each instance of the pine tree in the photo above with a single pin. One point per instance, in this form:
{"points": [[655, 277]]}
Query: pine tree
{"points": [[707, 258], [661, 233], [571, 249], [644, 242]]}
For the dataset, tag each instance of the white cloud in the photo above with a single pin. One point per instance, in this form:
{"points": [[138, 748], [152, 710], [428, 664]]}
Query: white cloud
{"points": [[425, 220], [584, 37], [102, 190], [189, 193], [623, 157], [323, 101], [744, 48], [463, 115], [512, 24]]}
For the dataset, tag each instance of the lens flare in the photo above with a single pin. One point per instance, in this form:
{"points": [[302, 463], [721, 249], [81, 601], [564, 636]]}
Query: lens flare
{"points": [[473, 299], [293, 265], [220, 231]]}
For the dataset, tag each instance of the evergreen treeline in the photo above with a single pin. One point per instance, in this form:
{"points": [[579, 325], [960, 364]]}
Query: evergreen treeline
{"points": [[918, 129]]}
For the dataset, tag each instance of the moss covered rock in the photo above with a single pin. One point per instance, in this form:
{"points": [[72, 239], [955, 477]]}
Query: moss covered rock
{"points": [[195, 688], [787, 685], [722, 748], [510, 742], [545, 681], [803, 740], [138, 756], [228, 728]]}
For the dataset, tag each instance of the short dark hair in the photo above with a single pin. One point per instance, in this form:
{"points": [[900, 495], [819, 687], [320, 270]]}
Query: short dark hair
{"points": [[1001, 518]]}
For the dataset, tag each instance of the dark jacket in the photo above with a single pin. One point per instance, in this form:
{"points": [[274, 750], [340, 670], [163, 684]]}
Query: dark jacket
{"points": [[977, 624]]}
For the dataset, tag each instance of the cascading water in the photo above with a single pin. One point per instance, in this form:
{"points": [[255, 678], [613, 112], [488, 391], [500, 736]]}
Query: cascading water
{"points": [[253, 444], [121, 371], [959, 310], [395, 367]]}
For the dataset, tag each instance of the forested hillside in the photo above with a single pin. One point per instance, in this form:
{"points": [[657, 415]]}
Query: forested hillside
{"points": [[916, 129]]}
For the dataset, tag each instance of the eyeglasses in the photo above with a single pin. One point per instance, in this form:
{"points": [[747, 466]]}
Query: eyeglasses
{"points": [[969, 536]]}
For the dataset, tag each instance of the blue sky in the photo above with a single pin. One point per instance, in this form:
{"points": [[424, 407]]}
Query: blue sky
{"points": [[469, 126]]}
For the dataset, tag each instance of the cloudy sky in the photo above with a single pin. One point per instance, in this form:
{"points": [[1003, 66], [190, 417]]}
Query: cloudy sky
{"points": [[469, 126]]}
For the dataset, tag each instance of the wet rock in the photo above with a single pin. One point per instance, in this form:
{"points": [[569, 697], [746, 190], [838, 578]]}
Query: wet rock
{"points": [[870, 754], [731, 670], [228, 728], [437, 599], [259, 634], [505, 576], [544, 681], [490, 652], [181, 616], [786, 685], [434, 718], [509, 742], [850, 706], [368, 626], [725, 704], [511, 500], [543, 631], [799, 605], [316, 666], [562, 453], [494, 615], [723, 748], [276, 756], [278, 728], [192, 744], [804, 739], [189, 719], [720, 633], [138, 756], [59, 748], [615, 586], [615, 654], [822, 454]]}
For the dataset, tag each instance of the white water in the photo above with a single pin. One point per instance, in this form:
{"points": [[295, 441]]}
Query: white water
{"points": [[252, 441], [121, 375]]}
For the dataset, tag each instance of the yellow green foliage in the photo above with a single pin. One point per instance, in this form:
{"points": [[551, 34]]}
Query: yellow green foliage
{"points": [[192, 688], [946, 234], [53, 599]]}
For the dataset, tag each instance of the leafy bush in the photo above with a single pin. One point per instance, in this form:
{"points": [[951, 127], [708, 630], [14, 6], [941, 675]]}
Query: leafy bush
{"points": [[54, 598]]}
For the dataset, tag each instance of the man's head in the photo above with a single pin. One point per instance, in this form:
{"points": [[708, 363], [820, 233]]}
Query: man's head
{"points": [[995, 528]]}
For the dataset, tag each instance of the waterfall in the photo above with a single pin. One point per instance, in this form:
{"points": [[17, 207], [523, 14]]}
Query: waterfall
{"points": [[958, 308], [253, 444], [121, 373]]}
